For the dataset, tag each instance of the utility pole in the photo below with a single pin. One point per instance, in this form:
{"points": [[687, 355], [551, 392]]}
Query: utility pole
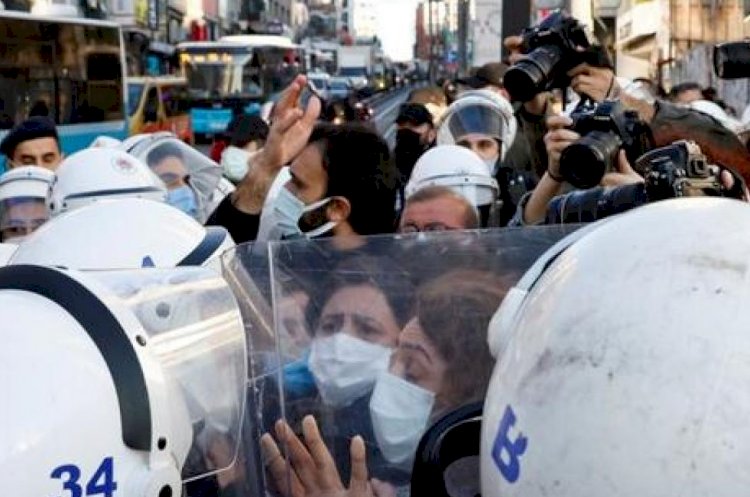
{"points": [[430, 68]]}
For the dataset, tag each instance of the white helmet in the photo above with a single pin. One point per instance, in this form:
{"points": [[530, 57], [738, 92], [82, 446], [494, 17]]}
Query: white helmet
{"points": [[94, 174], [195, 182], [123, 234], [479, 112], [83, 364], [713, 110], [23, 201], [624, 360], [457, 168], [105, 141]]}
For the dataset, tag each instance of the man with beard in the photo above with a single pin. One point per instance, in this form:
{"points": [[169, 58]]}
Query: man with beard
{"points": [[415, 134]]}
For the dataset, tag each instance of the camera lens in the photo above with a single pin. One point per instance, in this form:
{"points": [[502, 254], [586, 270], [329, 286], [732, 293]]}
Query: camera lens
{"points": [[732, 60], [584, 163], [530, 75], [596, 203]]}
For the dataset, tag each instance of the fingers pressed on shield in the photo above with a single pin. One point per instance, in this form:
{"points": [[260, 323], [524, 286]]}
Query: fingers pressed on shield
{"points": [[359, 481], [302, 461], [283, 476], [328, 475]]}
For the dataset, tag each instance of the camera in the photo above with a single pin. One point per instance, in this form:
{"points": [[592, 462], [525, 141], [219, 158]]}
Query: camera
{"points": [[605, 129], [732, 60], [553, 47], [677, 170]]}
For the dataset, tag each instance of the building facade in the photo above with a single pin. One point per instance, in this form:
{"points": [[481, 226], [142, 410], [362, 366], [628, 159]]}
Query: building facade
{"points": [[672, 42]]}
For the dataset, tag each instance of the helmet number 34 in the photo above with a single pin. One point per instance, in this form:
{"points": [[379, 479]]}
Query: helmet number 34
{"points": [[506, 452], [102, 482]]}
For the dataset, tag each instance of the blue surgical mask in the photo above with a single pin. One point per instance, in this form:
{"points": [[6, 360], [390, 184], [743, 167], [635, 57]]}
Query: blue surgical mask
{"points": [[281, 222], [298, 380], [183, 198]]}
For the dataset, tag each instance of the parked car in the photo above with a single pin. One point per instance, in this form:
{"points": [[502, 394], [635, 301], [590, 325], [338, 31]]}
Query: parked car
{"points": [[159, 104]]}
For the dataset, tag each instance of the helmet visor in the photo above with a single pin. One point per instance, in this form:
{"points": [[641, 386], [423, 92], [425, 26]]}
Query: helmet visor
{"points": [[177, 164], [21, 216], [195, 332], [474, 119]]}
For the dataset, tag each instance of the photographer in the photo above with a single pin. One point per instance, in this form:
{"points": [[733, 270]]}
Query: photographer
{"points": [[533, 207]]}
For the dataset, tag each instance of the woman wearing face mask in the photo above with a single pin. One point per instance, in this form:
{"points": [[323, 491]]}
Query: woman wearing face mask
{"points": [[247, 135], [442, 361], [355, 331]]}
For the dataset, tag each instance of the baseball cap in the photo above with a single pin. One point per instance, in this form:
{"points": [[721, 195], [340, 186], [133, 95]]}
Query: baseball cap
{"points": [[489, 74], [414, 113]]}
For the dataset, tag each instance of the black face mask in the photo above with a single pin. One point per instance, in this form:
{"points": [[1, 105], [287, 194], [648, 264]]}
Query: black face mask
{"points": [[409, 148]]}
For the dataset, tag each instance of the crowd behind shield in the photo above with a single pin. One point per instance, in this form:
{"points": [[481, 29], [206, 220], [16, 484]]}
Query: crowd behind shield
{"points": [[367, 279]]}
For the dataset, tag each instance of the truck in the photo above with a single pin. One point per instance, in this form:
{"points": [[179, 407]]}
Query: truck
{"points": [[355, 62]]}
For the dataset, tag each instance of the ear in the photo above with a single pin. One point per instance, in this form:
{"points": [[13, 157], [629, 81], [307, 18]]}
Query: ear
{"points": [[432, 135], [339, 209]]}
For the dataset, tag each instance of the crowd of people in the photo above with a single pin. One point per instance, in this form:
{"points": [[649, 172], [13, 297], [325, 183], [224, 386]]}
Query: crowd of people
{"points": [[375, 339]]}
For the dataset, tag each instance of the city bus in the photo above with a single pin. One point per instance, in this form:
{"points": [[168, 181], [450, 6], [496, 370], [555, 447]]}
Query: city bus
{"points": [[69, 69], [236, 74]]}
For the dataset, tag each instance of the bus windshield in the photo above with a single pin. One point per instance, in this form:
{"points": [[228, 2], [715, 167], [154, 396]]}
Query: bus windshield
{"points": [[237, 72]]}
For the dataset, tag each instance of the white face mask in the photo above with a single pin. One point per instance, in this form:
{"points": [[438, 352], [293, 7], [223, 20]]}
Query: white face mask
{"points": [[236, 163], [345, 368], [399, 411], [282, 222], [492, 165]]}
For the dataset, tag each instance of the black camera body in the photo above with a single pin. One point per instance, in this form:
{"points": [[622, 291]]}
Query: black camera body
{"points": [[677, 170], [605, 129], [552, 48], [732, 60]]}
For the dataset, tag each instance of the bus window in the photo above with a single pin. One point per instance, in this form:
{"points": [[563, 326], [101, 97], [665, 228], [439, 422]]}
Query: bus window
{"points": [[174, 100], [151, 107], [135, 92]]}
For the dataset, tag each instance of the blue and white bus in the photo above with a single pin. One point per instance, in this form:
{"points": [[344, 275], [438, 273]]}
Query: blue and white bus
{"points": [[69, 69], [234, 75]]}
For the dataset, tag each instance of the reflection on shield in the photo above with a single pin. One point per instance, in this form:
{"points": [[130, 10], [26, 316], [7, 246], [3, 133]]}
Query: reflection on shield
{"points": [[381, 340]]}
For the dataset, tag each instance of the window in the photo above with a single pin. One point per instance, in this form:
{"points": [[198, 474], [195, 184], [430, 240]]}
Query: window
{"points": [[151, 107], [73, 72], [174, 99]]}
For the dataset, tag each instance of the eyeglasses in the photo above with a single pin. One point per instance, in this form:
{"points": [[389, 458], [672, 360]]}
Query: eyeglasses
{"points": [[414, 228]]}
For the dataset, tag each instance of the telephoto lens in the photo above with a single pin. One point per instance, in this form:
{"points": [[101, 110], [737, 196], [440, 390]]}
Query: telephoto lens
{"points": [[584, 163], [531, 75], [587, 206]]}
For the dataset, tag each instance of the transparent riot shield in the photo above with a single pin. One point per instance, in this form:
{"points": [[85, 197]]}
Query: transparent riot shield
{"points": [[378, 336], [191, 322]]}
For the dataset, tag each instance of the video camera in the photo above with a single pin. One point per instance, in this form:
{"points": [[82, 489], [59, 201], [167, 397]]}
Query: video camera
{"points": [[732, 60], [553, 47], [605, 129], [677, 170]]}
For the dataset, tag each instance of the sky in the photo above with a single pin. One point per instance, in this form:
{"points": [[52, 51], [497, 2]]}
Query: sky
{"points": [[396, 21]]}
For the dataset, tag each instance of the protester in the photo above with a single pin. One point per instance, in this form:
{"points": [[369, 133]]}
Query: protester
{"points": [[247, 136], [325, 192], [33, 142]]}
